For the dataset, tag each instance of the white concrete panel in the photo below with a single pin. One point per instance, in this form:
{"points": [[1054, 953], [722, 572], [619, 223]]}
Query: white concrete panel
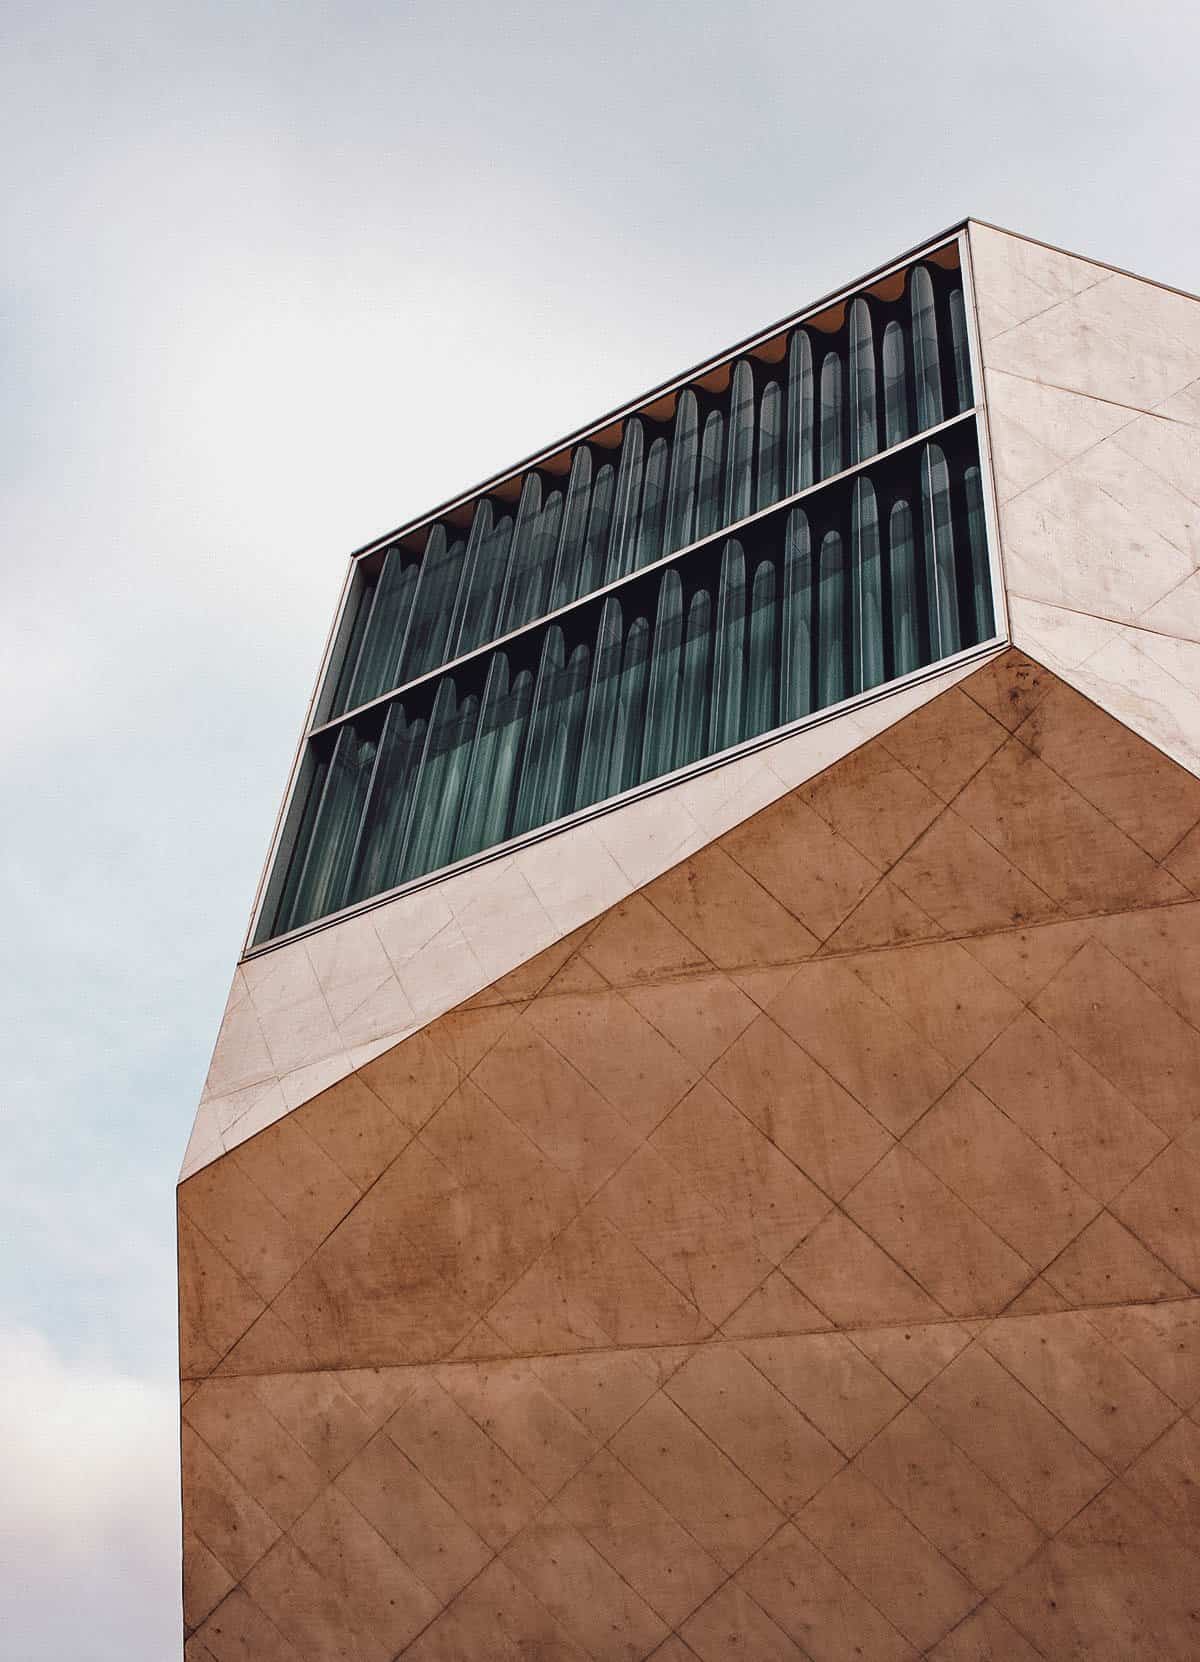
{"points": [[1101, 553], [307, 1014]]}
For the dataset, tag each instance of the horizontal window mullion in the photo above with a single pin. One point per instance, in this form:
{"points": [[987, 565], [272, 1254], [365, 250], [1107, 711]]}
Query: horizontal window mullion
{"points": [[734, 528]]}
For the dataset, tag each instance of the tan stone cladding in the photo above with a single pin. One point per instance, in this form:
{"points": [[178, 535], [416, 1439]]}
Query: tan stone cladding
{"points": [[802, 1260]]}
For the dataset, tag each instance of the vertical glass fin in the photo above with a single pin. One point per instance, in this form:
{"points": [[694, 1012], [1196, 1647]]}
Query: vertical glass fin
{"points": [[623, 544], [927, 369], [897, 420], [769, 471], [662, 702], [866, 590], [681, 482], [831, 622], [761, 711], [729, 651], [902, 580], [833, 454], [801, 413], [961, 350], [864, 420], [941, 581], [739, 475], [798, 657]]}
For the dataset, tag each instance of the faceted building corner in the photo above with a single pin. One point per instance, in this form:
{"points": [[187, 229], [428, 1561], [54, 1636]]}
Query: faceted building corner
{"points": [[702, 1155]]}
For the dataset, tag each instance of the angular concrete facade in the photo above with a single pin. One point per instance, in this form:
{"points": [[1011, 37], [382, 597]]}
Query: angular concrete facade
{"points": [[761, 1222]]}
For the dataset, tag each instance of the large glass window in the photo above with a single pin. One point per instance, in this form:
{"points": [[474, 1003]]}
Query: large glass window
{"points": [[642, 602]]}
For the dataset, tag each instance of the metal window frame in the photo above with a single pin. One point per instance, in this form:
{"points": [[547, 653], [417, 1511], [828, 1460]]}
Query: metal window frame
{"points": [[280, 849]]}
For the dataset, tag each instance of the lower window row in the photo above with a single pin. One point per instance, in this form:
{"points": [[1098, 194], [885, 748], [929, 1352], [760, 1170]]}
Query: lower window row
{"points": [[867, 581]]}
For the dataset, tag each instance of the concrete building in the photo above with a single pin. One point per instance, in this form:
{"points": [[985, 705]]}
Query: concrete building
{"points": [[702, 1155]]}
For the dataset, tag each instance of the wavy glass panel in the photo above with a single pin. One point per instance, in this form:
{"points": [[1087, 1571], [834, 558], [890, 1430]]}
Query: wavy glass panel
{"points": [[654, 503], [521, 554], [662, 699], [961, 350], [695, 690], [623, 543], [801, 413], [380, 854], [729, 649], [625, 758], [832, 448], [798, 657], [897, 424], [569, 577], [424, 646], [831, 621], [864, 420], [874, 576], [983, 617], [902, 581], [325, 877], [866, 590], [941, 581], [739, 475], [601, 704], [441, 778], [681, 482], [595, 549], [769, 486], [927, 371], [761, 711], [712, 475]]}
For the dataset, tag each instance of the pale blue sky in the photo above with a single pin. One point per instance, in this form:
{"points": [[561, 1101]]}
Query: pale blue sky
{"points": [[277, 277]]}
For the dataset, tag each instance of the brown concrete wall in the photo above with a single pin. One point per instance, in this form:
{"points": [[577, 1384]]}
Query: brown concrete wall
{"points": [[801, 1261]]}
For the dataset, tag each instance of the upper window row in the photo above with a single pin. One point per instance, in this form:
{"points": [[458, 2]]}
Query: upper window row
{"points": [[860, 378]]}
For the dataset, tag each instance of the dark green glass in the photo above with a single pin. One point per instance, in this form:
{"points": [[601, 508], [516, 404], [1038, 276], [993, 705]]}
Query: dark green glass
{"points": [[562, 753], [983, 617], [662, 703], [762, 654], [592, 785], [695, 691], [866, 590], [325, 880], [530, 804], [795, 696], [424, 646], [941, 581], [488, 801], [712, 470], [961, 350], [441, 777], [515, 588], [905, 600], [629, 719], [464, 631], [623, 543], [654, 504], [927, 371], [572, 543], [801, 413], [769, 471], [833, 454], [739, 475], [681, 480], [897, 423], [729, 649], [385, 822], [864, 418], [595, 548], [831, 622], [394, 595]]}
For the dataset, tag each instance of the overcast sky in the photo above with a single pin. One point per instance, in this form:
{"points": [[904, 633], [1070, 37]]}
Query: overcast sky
{"points": [[276, 278]]}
